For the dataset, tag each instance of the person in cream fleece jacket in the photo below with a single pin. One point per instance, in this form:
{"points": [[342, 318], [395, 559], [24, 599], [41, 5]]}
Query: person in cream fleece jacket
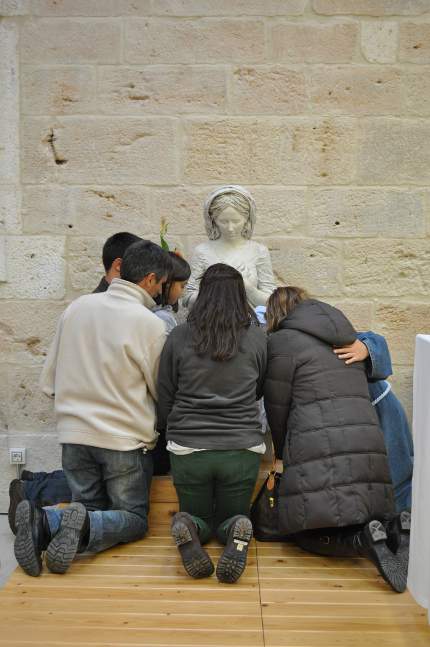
{"points": [[101, 371]]}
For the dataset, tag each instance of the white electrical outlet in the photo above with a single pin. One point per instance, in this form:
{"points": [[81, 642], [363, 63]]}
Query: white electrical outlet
{"points": [[17, 456]]}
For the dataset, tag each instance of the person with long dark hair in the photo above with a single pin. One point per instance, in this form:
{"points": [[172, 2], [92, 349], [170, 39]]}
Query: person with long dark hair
{"points": [[335, 491], [211, 373], [172, 291]]}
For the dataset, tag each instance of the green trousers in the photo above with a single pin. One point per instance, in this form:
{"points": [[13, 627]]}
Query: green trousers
{"points": [[214, 486]]}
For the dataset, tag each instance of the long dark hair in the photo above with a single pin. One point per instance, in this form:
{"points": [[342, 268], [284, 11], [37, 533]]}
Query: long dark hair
{"points": [[221, 313], [181, 271]]}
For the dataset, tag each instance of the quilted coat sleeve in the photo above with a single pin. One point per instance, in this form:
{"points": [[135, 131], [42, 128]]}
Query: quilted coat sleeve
{"points": [[278, 390]]}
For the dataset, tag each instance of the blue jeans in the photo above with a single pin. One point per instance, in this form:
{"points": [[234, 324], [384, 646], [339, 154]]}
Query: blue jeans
{"points": [[114, 487], [47, 488]]}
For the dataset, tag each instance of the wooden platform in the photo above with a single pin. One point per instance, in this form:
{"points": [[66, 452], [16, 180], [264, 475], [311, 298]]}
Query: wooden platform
{"points": [[138, 594]]}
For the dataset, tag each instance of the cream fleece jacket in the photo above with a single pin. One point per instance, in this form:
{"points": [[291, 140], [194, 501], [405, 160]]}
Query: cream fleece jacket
{"points": [[102, 369]]}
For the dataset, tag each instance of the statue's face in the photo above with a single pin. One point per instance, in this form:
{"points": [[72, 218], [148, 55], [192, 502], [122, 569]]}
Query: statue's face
{"points": [[230, 223]]}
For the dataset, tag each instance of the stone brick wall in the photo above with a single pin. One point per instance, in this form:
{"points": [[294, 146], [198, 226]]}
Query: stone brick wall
{"points": [[116, 113]]}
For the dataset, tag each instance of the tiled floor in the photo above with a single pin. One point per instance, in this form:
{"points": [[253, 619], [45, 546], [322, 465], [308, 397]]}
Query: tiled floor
{"points": [[7, 559]]}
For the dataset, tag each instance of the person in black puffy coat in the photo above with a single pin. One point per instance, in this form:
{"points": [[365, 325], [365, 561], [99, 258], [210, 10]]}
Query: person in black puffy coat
{"points": [[335, 491]]}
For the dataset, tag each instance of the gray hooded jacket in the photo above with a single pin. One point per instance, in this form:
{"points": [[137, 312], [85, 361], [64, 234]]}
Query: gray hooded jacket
{"points": [[323, 425]]}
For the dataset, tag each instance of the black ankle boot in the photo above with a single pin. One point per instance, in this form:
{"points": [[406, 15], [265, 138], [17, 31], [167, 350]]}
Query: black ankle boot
{"points": [[32, 537], [69, 540], [16, 495], [195, 559], [371, 542], [232, 562]]}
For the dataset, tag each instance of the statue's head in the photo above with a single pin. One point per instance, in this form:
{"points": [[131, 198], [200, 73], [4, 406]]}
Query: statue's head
{"points": [[229, 207]]}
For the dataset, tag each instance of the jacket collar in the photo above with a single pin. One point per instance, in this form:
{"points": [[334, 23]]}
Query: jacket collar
{"points": [[130, 291]]}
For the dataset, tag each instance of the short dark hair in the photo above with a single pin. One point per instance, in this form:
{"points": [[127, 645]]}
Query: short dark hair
{"points": [[181, 271], [221, 313], [142, 258], [115, 247]]}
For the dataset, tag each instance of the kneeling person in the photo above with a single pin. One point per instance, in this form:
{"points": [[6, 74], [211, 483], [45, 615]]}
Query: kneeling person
{"points": [[102, 371]]}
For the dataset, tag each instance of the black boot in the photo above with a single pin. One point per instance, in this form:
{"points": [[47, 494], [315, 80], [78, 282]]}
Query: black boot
{"points": [[233, 560], [16, 495], [371, 542], [32, 537], [70, 538], [195, 559]]}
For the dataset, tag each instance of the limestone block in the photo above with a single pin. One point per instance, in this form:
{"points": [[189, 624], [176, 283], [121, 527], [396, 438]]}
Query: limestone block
{"points": [[87, 211], [35, 268], [161, 89], [14, 7], [224, 7], [73, 7], [28, 409], [27, 329], [307, 263], [393, 151], [371, 7], [414, 44], [187, 41], [360, 90], [280, 211], [70, 41], [402, 385], [267, 90], [43, 453], [314, 42], [270, 151], [9, 103], [182, 208], [416, 92], [3, 267], [124, 150], [387, 268], [379, 41], [348, 213], [400, 323], [58, 90], [85, 267], [360, 313], [10, 207]]}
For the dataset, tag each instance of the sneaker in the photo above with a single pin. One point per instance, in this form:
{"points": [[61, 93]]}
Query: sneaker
{"points": [[233, 560], [32, 537], [16, 495], [398, 531], [69, 538], [373, 540], [195, 559]]}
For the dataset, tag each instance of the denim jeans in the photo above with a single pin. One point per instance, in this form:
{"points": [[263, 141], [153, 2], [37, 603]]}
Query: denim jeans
{"points": [[392, 419], [48, 488], [114, 487]]}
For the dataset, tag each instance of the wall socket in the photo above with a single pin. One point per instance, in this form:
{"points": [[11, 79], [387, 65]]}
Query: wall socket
{"points": [[17, 456]]}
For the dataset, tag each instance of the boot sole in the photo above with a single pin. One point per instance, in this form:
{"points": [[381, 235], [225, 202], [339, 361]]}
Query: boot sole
{"points": [[232, 562], [64, 546], [14, 501], [24, 549], [195, 559], [388, 564]]}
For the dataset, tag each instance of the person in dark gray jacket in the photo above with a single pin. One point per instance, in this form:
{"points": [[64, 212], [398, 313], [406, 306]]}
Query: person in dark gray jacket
{"points": [[212, 372], [335, 488]]}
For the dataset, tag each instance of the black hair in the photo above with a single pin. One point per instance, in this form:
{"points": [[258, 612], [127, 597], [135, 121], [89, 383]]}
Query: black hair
{"points": [[221, 313], [115, 247], [181, 271], [142, 258]]}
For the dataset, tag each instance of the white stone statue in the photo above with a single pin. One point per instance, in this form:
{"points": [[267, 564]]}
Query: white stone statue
{"points": [[229, 214]]}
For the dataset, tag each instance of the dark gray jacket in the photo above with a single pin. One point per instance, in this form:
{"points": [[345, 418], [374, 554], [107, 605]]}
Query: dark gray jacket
{"points": [[323, 425], [207, 404]]}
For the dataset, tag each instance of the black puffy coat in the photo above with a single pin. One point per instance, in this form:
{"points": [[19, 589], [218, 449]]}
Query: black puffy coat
{"points": [[323, 424]]}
